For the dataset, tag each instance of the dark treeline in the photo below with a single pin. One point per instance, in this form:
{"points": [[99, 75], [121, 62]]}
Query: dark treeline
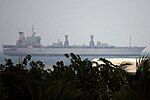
{"points": [[79, 80]]}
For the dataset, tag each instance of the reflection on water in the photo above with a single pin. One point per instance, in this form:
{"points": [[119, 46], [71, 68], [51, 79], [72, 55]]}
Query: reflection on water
{"points": [[118, 61]]}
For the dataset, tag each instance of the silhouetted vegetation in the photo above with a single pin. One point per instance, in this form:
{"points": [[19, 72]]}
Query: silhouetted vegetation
{"points": [[79, 80]]}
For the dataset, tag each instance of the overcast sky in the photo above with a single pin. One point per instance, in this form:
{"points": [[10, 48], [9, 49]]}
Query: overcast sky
{"points": [[111, 21]]}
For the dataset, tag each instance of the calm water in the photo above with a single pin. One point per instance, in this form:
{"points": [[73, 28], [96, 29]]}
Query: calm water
{"points": [[49, 61]]}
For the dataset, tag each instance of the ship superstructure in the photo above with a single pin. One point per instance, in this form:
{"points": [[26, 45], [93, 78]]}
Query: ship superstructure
{"points": [[32, 45]]}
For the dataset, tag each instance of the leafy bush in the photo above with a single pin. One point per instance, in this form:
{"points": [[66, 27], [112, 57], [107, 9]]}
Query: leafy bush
{"points": [[80, 80]]}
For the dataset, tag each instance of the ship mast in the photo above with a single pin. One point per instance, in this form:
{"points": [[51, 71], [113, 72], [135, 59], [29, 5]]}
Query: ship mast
{"points": [[130, 41], [32, 28], [18, 30]]}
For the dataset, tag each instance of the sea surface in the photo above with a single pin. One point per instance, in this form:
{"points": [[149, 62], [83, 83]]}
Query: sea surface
{"points": [[49, 61]]}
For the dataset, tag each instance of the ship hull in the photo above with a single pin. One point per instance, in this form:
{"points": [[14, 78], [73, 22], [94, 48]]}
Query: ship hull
{"points": [[118, 51]]}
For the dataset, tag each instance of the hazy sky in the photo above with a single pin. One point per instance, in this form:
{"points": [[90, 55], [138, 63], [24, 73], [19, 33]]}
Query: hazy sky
{"points": [[111, 21]]}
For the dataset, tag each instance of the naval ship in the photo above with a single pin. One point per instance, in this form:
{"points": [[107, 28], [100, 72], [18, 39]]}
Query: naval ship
{"points": [[32, 45]]}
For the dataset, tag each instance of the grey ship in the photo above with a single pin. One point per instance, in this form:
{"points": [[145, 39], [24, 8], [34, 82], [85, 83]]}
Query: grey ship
{"points": [[32, 45]]}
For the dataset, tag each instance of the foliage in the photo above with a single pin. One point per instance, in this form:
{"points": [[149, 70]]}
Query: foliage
{"points": [[80, 80], [143, 79]]}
